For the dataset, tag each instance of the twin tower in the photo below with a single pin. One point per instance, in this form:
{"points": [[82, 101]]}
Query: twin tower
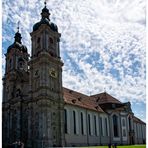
{"points": [[33, 103]]}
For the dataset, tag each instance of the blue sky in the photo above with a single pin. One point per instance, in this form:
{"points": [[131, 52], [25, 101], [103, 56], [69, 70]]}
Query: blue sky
{"points": [[102, 43]]}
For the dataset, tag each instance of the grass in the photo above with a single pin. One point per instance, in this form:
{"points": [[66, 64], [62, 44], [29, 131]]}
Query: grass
{"points": [[124, 146]]}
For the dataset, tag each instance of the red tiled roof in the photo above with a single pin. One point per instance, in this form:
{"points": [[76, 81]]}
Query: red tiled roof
{"points": [[81, 100], [135, 119], [103, 98], [91, 102]]}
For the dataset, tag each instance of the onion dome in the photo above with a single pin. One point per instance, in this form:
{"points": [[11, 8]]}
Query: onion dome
{"points": [[17, 44], [45, 20]]}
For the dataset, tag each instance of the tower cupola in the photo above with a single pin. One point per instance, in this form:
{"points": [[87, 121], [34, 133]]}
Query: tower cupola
{"points": [[17, 43], [17, 55], [45, 12], [45, 20], [18, 37]]}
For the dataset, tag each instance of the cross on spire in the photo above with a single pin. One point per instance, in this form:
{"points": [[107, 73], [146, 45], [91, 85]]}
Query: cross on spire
{"points": [[104, 89], [45, 3], [18, 26]]}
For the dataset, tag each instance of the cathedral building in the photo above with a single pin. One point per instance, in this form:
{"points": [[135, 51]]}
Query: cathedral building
{"points": [[41, 113]]}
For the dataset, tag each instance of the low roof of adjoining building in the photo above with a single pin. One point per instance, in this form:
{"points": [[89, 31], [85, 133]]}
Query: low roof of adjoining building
{"points": [[137, 120], [93, 102], [104, 98], [81, 100]]}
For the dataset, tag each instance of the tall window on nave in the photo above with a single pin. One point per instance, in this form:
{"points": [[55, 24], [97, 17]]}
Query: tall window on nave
{"points": [[82, 126], [89, 124], [106, 127], [115, 125], [95, 124], [74, 121], [65, 120]]}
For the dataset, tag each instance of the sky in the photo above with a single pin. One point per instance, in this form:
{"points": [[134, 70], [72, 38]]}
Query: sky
{"points": [[103, 44]]}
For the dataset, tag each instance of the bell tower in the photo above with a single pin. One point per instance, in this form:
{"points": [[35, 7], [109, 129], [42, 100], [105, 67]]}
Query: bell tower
{"points": [[46, 84], [15, 84]]}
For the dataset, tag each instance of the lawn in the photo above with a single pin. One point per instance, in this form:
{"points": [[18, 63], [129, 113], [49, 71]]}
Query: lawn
{"points": [[127, 146]]}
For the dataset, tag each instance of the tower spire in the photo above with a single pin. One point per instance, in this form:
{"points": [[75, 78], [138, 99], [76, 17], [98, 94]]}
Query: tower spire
{"points": [[45, 12], [105, 89], [18, 23], [17, 34], [45, 3]]}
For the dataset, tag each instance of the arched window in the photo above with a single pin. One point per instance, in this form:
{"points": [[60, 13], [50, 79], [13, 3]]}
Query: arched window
{"points": [[82, 126], [38, 45], [123, 122], [129, 123], [89, 124], [65, 120], [106, 127], [10, 64], [74, 121], [101, 126], [95, 123], [115, 125]]}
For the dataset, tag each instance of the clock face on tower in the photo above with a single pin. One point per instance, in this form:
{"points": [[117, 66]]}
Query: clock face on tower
{"points": [[53, 72]]}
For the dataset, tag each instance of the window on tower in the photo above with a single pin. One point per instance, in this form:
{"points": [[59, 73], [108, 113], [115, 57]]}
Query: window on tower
{"points": [[38, 43], [10, 64], [50, 40]]}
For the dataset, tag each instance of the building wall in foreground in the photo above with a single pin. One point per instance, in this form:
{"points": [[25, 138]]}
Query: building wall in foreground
{"points": [[78, 134], [140, 133], [98, 128]]}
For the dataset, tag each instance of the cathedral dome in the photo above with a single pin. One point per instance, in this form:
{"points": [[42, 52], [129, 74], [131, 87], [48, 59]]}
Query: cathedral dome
{"points": [[45, 20], [17, 44]]}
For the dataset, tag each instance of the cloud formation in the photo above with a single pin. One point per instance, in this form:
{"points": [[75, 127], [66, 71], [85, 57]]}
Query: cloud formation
{"points": [[102, 43]]}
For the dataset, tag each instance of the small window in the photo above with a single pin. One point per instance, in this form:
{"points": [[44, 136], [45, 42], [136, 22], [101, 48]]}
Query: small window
{"points": [[10, 63], [123, 122], [36, 74]]}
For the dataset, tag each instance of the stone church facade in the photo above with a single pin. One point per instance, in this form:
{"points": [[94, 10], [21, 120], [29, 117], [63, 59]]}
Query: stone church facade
{"points": [[40, 112]]}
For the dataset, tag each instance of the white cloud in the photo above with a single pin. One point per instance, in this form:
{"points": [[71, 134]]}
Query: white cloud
{"points": [[114, 29]]}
